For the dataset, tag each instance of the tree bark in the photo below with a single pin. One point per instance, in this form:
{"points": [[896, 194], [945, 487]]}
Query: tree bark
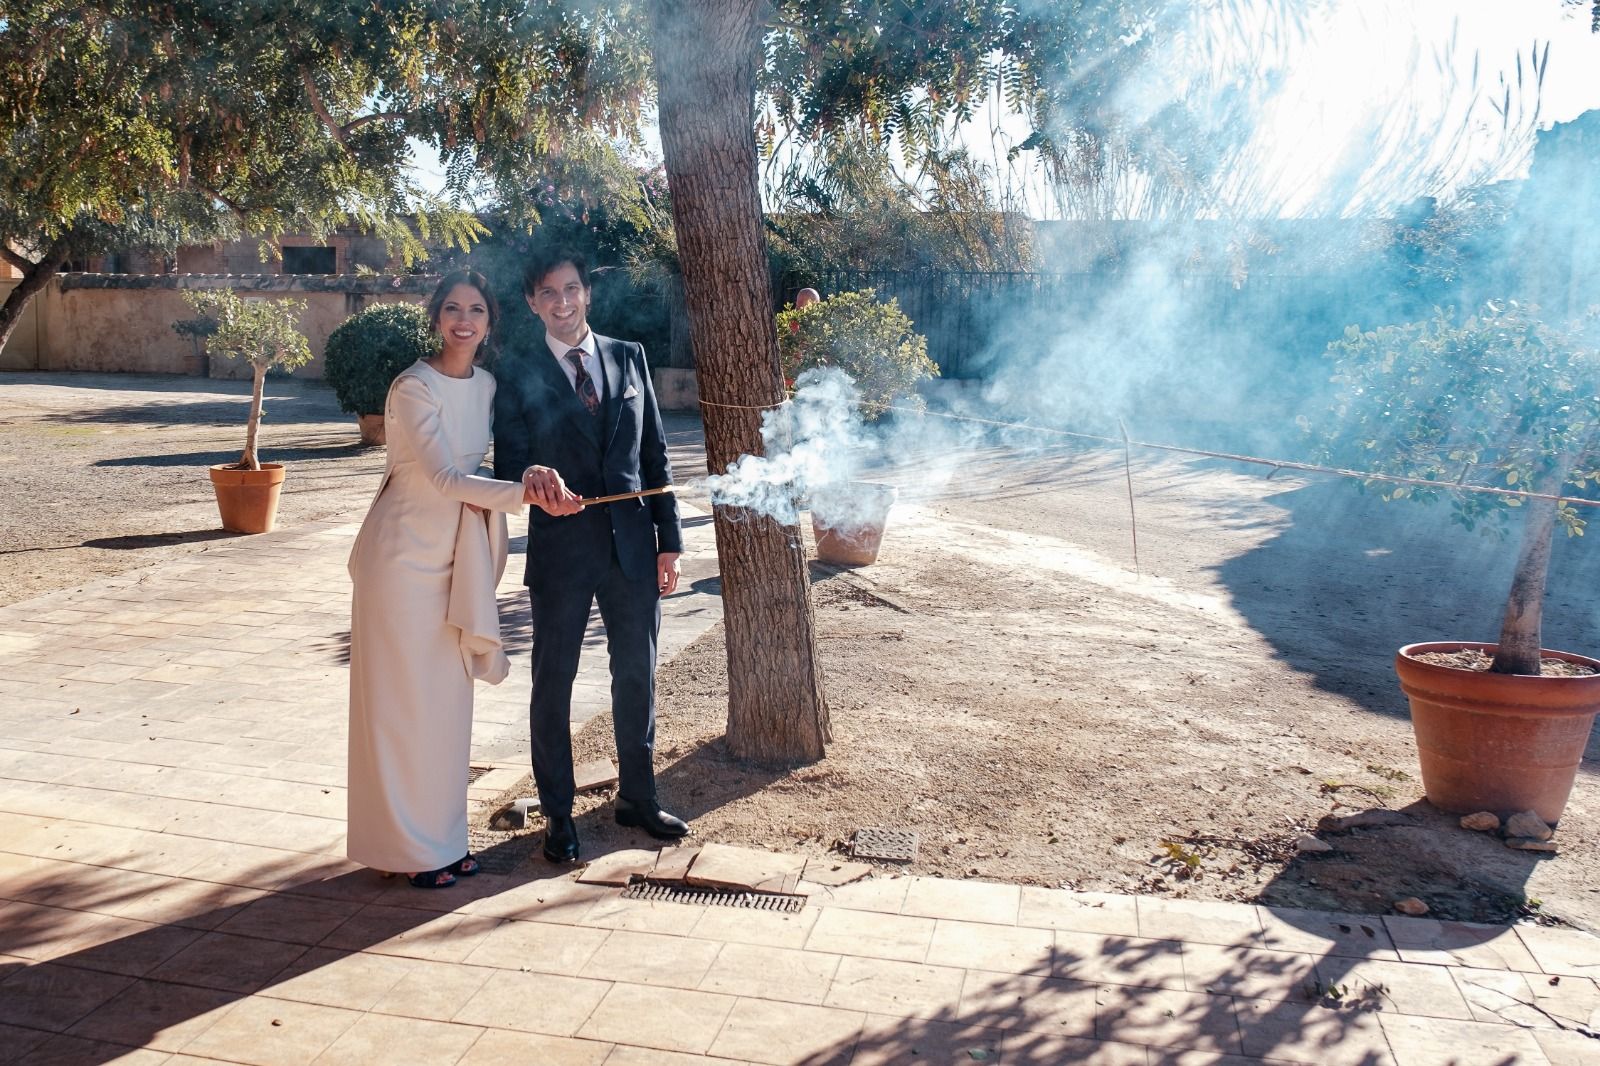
{"points": [[250, 461], [34, 278], [1521, 636], [706, 52]]}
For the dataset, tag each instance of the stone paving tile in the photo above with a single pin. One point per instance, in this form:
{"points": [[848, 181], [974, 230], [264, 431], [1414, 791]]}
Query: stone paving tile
{"points": [[1312, 1033], [292, 919], [670, 1019], [786, 974], [1392, 986], [37, 932], [618, 867], [783, 1033], [560, 900], [622, 1055], [75, 1051], [889, 1040], [1326, 933], [54, 997], [1566, 1048], [1038, 1004], [1079, 912], [413, 934], [268, 1032], [1567, 952], [1120, 960], [643, 915], [652, 959], [121, 945], [535, 1002], [1439, 943], [332, 978], [992, 947], [1165, 1018], [155, 1014], [230, 963], [884, 894], [1438, 1042], [16, 1042], [515, 945], [722, 866], [737, 926], [1199, 921], [379, 1038], [433, 990], [902, 989], [1023, 1048], [1529, 1000], [498, 1047], [1249, 972], [969, 901], [884, 936]]}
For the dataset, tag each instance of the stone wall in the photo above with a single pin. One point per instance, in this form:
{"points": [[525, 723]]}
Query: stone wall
{"points": [[122, 323]]}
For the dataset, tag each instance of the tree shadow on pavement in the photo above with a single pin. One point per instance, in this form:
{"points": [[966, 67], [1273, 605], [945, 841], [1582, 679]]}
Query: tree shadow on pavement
{"points": [[336, 448]]}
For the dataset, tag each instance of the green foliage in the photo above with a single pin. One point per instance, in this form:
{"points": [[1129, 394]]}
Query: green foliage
{"points": [[264, 332], [367, 351], [1501, 398], [871, 341]]}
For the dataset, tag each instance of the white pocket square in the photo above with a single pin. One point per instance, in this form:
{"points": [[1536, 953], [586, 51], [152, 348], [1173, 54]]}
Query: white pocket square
{"points": [[629, 393]]}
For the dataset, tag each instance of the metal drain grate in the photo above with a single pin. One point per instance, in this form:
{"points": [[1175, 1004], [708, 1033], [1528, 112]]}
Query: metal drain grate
{"points": [[475, 772], [671, 892], [876, 842]]}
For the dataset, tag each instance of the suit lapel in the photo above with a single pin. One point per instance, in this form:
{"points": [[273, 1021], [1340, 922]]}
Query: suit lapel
{"points": [[560, 392], [611, 365]]}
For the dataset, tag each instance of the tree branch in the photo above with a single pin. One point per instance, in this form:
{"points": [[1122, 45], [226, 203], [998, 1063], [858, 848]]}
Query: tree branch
{"points": [[321, 109], [367, 120], [16, 259]]}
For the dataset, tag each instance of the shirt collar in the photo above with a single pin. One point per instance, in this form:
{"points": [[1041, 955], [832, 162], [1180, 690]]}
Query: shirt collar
{"points": [[560, 348]]}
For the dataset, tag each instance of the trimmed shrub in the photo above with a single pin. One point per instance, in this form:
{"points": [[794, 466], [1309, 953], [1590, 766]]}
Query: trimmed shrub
{"points": [[369, 350], [870, 340]]}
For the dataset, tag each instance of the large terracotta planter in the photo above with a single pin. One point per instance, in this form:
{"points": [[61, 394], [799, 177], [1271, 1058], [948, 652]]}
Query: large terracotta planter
{"points": [[849, 522], [1498, 742], [371, 429], [248, 499]]}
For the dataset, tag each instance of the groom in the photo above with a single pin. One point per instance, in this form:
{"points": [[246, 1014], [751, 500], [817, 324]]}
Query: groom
{"points": [[574, 417]]}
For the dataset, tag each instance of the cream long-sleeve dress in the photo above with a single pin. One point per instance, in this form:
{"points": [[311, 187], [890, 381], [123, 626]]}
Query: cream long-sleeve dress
{"points": [[410, 689]]}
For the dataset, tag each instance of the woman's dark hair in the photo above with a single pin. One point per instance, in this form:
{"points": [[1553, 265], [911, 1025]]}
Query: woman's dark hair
{"points": [[546, 260], [464, 277]]}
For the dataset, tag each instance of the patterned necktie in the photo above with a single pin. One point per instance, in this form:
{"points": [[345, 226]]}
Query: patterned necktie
{"points": [[584, 383]]}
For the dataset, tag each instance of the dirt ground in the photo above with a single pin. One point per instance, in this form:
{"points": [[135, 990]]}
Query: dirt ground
{"points": [[1001, 681]]}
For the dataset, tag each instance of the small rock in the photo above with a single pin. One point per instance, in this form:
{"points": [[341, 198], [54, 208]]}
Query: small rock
{"points": [[1411, 905], [1528, 824], [1482, 822], [1306, 843], [1532, 844]]}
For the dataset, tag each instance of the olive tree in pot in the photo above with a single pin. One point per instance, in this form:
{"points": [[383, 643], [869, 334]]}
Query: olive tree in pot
{"points": [[364, 355], [874, 343], [264, 332], [1507, 399]]}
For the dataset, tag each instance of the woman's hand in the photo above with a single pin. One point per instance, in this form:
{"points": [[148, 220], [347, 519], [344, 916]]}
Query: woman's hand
{"points": [[543, 487]]}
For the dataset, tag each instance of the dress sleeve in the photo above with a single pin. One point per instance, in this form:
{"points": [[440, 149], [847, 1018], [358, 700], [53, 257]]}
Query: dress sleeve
{"points": [[412, 407]]}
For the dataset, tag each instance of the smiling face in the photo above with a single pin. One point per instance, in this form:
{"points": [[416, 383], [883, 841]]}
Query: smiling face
{"points": [[463, 319], [561, 300]]}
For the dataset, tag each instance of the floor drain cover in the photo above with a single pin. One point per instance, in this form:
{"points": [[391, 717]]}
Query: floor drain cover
{"points": [[663, 892], [475, 772], [895, 845]]}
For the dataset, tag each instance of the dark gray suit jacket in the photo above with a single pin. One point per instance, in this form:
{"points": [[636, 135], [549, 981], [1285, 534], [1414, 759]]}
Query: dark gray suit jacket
{"points": [[539, 421]]}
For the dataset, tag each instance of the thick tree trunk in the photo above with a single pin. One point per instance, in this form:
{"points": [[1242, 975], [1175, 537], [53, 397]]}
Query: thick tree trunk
{"points": [[1521, 633], [706, 53], [34, 278]]}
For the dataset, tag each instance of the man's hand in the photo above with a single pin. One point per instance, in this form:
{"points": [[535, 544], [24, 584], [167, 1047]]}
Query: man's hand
{"points": [[667, 572], [543, 487]]}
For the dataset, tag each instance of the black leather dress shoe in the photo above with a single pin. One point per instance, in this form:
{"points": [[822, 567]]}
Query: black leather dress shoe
{"points": [[561, 839], [652, 819]]}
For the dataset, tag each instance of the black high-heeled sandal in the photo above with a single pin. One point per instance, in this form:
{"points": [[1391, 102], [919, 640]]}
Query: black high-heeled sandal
{"points": [[443, 877], [466, 866]]}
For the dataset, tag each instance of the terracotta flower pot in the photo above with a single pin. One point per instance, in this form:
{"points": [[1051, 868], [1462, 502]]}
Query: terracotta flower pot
{"points": [[848, 522], [1498, 742], [371, 429], [248, 499]]}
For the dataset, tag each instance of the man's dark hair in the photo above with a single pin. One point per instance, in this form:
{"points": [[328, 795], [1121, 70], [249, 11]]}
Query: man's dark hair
{"points": [[548, 259]]}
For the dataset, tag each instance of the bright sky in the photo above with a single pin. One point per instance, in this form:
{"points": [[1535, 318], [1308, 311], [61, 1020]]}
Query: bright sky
{"points": [[1354, 115]]}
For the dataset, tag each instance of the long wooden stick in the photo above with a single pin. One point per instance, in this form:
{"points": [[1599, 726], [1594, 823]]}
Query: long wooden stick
{"points": [[627, 495]]}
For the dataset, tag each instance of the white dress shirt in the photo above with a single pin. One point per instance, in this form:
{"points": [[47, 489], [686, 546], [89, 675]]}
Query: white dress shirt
{"points": [[591, 361]]}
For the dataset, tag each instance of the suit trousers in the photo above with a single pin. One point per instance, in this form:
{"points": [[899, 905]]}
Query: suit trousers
{"points": [[631, 611]]}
